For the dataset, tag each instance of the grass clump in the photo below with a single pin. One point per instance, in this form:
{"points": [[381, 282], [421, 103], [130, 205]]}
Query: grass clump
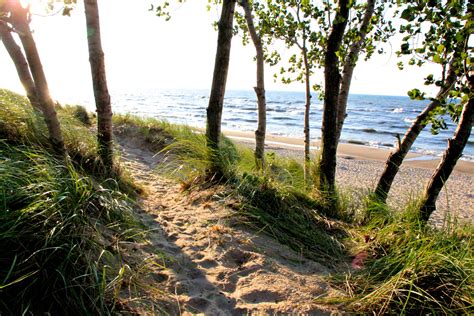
{"points": [[57, 217], [414, 269], [291, 217], [49, 244], [20, 124]]}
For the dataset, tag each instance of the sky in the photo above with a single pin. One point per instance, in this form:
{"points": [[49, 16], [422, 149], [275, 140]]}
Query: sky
{"points": [[143, 51]]}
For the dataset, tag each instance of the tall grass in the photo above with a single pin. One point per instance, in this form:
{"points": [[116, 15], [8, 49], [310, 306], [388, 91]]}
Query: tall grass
{"points": [[20, 124], [55, 216], [412, 268], [49, 214]]}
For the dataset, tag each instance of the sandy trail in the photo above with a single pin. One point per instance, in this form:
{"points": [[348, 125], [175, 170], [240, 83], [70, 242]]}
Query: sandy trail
{"points": [[214, 266]]}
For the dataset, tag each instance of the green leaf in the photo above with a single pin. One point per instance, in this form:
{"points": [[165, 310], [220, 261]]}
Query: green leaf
{"points": [[408, 15], [416, 94], [440, 48]]}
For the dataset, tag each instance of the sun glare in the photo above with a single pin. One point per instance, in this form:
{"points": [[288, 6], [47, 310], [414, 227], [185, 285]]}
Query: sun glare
{"points": [[35, 5]]}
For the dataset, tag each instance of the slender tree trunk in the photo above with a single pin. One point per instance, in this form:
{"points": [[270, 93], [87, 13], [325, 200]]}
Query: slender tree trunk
{"points": [[396, 158], [451, 155], [307, 108], [349, 66], [332, 80], [19, 19], [221, 68], [99, 81], [21, 65], [259, 89]]}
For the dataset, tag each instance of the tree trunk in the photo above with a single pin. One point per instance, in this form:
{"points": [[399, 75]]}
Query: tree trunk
{"points": [[259, 89], [99, 81], [451, 155], [396, 158], [19, 19], [219, 80], [307, 108], [21, 65], [332, 79], [349, 66]]}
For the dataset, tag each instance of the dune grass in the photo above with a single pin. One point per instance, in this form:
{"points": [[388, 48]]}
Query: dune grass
{"points": [[411, 268], [48, 235], [55, 216]]}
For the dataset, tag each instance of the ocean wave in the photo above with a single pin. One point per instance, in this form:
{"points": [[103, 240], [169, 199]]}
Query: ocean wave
{"points": [[357, 142], [279, 110], [245, 120], [397, 110], [369, 130], [408, 120], [284, 118]]}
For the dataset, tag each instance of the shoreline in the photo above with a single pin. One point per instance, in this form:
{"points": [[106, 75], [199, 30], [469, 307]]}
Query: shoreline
{"points": [[359, 168], [351, 151]]}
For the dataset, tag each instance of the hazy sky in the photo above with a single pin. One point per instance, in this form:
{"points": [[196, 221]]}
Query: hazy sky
{"points": [[144, 51]]}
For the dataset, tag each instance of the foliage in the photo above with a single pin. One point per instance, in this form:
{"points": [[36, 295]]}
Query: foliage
{"points": [[54, 220], [438, 32], [306, 25], [414, 269], [290, 22], [21, 124], [289, 216]]}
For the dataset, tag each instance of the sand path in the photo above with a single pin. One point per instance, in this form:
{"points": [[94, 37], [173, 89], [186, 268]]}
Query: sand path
{"points": [[209, 264]]}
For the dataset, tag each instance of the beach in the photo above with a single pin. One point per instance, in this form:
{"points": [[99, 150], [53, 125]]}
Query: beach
{"points": [[359, 168]]}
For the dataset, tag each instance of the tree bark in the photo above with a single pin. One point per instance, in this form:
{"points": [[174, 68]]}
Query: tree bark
{"points": [[350, 65], [99, 81], [332, 80], [450, 157], [259, 89], [307, 108], [396, 158], [19, 20], [21, 65], [219, 80]]}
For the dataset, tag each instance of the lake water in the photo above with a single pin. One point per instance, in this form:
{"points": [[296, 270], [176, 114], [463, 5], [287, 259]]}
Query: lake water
{"points": [[372, 120]]}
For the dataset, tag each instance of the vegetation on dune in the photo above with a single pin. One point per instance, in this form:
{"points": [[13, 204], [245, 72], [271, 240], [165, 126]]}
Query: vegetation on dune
{"points": [[55, 216], [63, 193], [413, 269], [398, 263]]}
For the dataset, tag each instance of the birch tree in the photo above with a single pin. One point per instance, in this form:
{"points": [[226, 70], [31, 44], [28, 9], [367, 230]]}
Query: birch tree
{"points": [[219, 80], [248, 25], [21, 65], [348, 39], [99, 81], [291, 22], [452, 154], [445, 42], [18, 18]]}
